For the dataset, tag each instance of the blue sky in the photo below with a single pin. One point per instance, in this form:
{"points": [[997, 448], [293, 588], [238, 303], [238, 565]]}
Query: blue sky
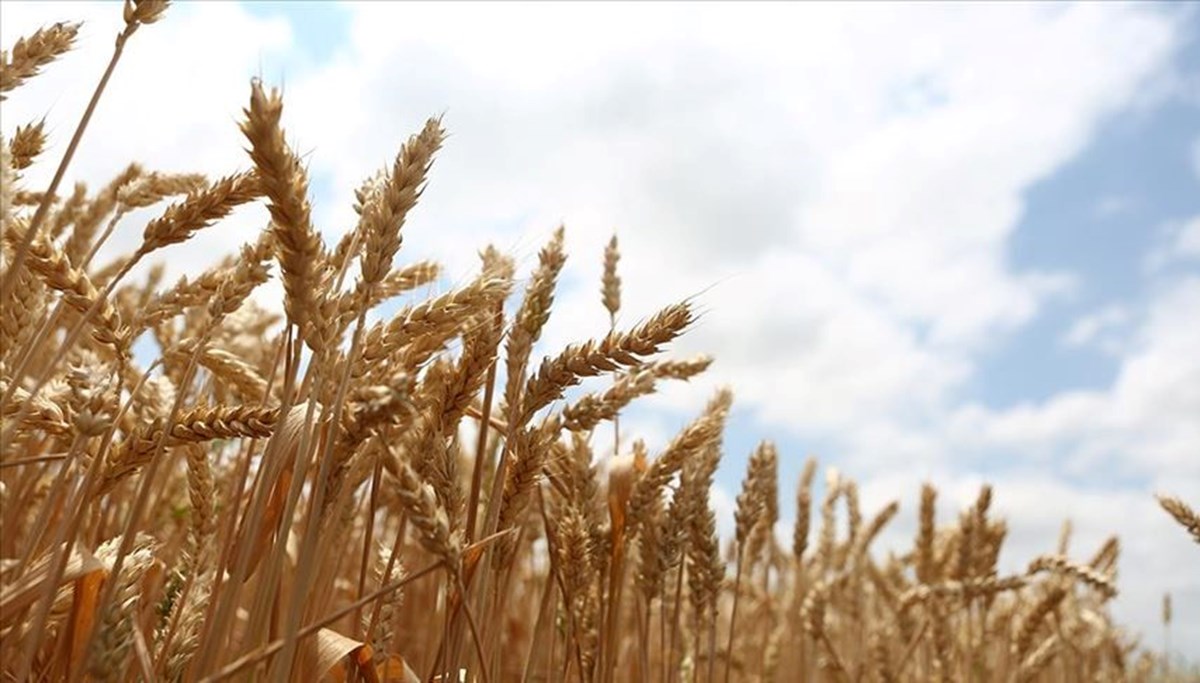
{"points": [[319, 29], [944, 242], [1099, 216]]}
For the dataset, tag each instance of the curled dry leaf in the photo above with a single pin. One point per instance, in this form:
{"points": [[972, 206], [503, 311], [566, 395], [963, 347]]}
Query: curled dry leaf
{"points": [[335, 656]]}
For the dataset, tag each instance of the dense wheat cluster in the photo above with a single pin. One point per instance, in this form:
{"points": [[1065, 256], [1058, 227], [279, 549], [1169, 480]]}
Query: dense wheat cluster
{"points": [[307, 495]]}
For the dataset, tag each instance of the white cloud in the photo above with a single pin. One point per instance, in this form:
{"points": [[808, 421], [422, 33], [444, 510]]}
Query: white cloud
{"points": [[167, 106], [1143, 425], [1187, 241], [1108, 207], [1179, 242], [1096, 456], [172, 105], [1099, 328]]}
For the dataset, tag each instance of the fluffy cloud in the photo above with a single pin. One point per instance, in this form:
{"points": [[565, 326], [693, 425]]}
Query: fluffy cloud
{"points": [[173, 101], [1180, 242], [1096, 456], [765, 154], [172, 105], [1142, 428], [1096, 328]]}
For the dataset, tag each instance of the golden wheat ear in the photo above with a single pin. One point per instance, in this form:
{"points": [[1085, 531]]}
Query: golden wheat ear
{"points": [[1182, 513], [27, 143], [33, 52]]}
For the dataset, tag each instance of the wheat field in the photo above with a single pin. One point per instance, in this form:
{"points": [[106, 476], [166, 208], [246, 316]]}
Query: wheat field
{"points": [[309, 495]]}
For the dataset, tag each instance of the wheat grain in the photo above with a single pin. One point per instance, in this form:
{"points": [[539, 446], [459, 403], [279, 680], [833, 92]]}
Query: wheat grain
{"points": [[803, 509], [1062, 565], [193, 426], [687, 443], [385, 210], [180, 221], [611, 282], [27, 143], [530, 319], [56, 271], [592, 358], [1183, 513], [285, 184], [925, 533], [31, 53]]}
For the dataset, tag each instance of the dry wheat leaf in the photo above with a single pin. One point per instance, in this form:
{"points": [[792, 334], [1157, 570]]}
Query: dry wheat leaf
{"points": [[335, 653], [83, 611], [20, 594]]}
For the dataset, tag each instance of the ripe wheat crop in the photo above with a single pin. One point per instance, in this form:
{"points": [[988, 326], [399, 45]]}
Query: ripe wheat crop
{"points": [[307, 496]]}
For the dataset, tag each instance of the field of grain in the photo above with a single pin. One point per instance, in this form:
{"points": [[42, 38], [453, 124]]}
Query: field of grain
{"points": [[311, 496]]}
